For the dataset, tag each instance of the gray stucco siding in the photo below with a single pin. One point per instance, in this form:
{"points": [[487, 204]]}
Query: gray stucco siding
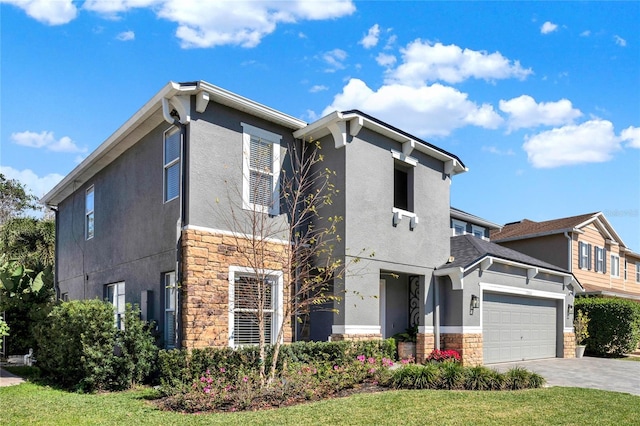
{"points": [[553, 249], [135, 231]]}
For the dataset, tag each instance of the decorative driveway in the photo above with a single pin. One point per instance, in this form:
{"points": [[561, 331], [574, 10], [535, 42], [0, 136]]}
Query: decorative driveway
{"points": [[596, 373]]}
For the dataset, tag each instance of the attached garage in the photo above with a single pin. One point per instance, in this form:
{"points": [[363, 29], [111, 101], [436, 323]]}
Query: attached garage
{"points": [[518, 328]]}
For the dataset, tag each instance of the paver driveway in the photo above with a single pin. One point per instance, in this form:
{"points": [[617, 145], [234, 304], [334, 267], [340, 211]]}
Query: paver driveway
{"points": [[596, 373]]}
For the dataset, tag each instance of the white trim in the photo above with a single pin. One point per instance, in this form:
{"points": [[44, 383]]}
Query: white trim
{"points": [[398, 214], [166, 166], [228, 233], [355, 329], [167, 294], [426, 329], [404, 158], [497, 288], [457, 222], [617, 257], [278, 296], [475, 228], [460, 329], [568, 330], [247, 131]]}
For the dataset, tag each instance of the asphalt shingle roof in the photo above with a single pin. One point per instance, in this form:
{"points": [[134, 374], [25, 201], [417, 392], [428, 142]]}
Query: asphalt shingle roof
{"points": [[467, 249], [529, 227]]}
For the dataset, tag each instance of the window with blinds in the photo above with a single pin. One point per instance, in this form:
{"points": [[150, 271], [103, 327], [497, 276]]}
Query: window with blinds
{"points": [[261, 169], [252, 296], [171, 164], [170, 309]]}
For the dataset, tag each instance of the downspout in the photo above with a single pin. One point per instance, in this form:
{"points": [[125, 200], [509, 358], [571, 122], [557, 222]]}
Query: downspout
{"points": [[436, 312], [181, 222], [56, 284]]}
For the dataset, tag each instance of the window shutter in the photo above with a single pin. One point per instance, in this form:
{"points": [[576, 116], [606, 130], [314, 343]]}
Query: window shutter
{"points": [[589, 256], [604, 260], [595, 259]]}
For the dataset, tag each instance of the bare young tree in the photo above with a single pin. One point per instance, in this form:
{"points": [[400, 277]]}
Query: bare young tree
{"points": [[300, 243]]}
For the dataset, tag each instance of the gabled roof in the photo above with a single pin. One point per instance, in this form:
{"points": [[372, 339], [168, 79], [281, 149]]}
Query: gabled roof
{"points": [[468, 217], [594, 290], [335, 124], [467, 250], [526, 228]]}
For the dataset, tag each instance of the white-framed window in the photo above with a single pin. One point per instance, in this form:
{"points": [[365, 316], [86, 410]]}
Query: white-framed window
{"points": [[89, 219], [615, 265], [625, 268], [600, 262], [170, 309], [459, 227], [260, 170], [171, 173], [477, 231], [115, 296], [584, 255], [249, 294], [638, 272]]}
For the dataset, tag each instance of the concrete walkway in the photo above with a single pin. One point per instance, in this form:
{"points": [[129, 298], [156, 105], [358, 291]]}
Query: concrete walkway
{"points": [[596, 373], [8, 379]]}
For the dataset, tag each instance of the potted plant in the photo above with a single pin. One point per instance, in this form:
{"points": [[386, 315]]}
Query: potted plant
{"points": [[581, 329], [406, 343]]}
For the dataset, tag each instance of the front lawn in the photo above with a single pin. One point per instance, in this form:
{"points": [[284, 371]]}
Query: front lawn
{"points": [[30, 404]]}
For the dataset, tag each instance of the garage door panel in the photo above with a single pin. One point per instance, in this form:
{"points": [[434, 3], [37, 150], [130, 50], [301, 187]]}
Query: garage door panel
{"points": [[526, 328]]}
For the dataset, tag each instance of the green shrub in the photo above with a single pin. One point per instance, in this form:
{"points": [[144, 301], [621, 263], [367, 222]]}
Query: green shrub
{"points": [[80, 348], [517, 378], [452, 375], [479, 378], [614, 325]]}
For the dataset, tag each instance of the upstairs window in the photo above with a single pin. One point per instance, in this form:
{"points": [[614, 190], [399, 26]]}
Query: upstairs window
{"points": [[261, 170], [89, 223], [459, 227], [478, 231], [584, 255], [638, 272], [615, 265], [170, 309], [600, 263], [115, 296], [171, 164], [403, 187]]}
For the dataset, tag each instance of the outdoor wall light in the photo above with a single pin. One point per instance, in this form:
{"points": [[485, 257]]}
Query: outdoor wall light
{"points": [[569, 310], [475, 303]]}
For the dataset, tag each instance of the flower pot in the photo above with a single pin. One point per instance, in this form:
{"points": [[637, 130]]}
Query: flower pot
{"points": [[580, 351], [406, 350]]}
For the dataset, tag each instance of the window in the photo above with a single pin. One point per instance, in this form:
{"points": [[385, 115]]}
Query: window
{"points": [[403, 187], [478, 231], [615, 265], [584, 255], [64, 297], [170, 309], [89, 223], [459, 227], [625, 269], [600, 263], [261, 170], [638, 272], [247, 292], [171, 164], [115, 296]]}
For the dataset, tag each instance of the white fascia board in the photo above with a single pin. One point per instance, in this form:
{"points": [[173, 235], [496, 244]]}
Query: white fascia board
{"points": [[225, 97], [456, 274], [536, 269], [319, 128], [456, 214]]}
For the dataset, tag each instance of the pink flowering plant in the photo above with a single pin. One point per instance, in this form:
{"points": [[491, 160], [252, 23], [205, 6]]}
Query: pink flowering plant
{"points": [[448, 355]]}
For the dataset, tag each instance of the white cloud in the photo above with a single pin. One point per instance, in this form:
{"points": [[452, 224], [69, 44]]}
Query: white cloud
{"points": [[38, 186], [335, 58], [620, 41], [126, 36], [318, 88], [48, 12], [632, 136], [385, 60], [585, 33], [425, 111], [371, 39], [497, 151], [46, 140], [427, 62], [524, 112], [548, 27], [593, 141]]}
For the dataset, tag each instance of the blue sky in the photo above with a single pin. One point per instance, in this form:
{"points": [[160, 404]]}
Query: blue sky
{"points": [[541, 100]]}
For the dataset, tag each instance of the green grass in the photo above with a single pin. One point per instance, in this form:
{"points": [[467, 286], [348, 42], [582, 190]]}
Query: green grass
{"points": [[30, 404]]}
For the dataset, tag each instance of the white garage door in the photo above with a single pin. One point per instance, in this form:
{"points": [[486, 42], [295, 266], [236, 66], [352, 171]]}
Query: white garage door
{"points": [[517, 328]]}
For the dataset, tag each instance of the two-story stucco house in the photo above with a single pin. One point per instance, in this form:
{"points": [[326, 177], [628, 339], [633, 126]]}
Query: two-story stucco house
{"points": [[587, 245], [146, 219]]}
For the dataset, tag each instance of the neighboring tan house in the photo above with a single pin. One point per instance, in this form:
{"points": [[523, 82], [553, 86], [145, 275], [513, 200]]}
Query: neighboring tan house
{"points": [[587, 245], [145, 219]]}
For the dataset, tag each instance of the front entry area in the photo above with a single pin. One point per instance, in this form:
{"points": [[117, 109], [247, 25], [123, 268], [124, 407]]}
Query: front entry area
{"points": [[517, 328]]}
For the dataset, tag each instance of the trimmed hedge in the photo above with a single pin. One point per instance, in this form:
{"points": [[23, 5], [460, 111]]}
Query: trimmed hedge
{"points": [[178, 368], [80, 348], [614, 326]]}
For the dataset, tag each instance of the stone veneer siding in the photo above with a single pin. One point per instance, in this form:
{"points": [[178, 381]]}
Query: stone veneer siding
{"points": [[425, 343], [569, 345], [204, 289], [355, 337], [468, 345]]}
